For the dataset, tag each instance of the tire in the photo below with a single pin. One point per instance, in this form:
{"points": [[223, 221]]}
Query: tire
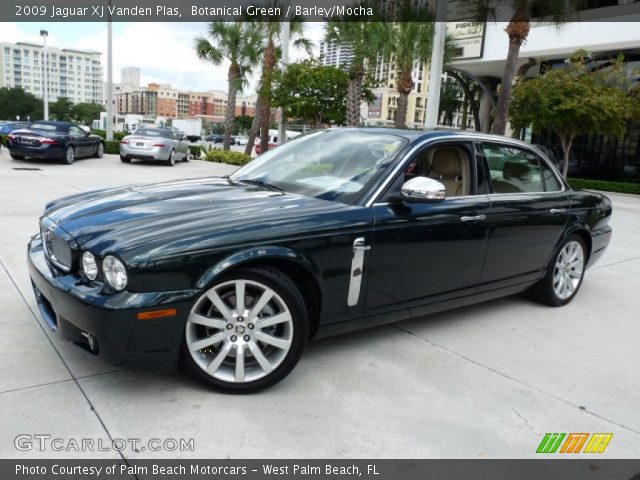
{"points": [[124, 159], [15, 156], [99, 153], [69, 156], [215, 334], [171, 161], [564, 274], [186, 156]]}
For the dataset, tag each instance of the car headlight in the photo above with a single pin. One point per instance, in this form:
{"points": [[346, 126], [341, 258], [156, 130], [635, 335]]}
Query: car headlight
{"points": [[89, 265], [114, 272]]}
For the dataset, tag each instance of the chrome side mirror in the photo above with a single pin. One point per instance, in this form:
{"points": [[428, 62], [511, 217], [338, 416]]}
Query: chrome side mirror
{"points": [[423, 189]]}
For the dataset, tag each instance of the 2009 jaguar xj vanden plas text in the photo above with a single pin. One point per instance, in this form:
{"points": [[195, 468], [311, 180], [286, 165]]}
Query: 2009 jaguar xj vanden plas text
{"points": [[334, 231]]}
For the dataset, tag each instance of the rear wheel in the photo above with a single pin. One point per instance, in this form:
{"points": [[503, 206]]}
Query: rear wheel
{"points": [[564, 274], [69, 156], [246, 332], [171, 161], [15, 156], [186, 155], [99, 150], [124, 159]]}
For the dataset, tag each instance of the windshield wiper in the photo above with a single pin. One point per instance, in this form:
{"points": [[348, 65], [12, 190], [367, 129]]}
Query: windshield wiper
{"points": [[263, 184]]}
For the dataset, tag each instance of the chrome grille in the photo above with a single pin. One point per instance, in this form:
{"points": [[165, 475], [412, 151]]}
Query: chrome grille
{"points": [[57, 250]]}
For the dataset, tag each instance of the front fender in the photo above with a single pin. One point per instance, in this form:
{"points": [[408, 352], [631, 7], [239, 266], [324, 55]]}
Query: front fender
{"points": [[253, 254]]}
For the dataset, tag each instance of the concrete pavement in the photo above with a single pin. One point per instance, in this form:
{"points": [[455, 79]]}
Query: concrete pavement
{"points": [[486, 381]]}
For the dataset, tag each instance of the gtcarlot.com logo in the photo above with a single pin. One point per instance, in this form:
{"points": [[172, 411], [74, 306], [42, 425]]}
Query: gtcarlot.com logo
{"points": [[574, 442], [27, 442]]}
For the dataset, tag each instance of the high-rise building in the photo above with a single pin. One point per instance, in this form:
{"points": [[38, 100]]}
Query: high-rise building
{"points": [[73, 73], [335, 55]]}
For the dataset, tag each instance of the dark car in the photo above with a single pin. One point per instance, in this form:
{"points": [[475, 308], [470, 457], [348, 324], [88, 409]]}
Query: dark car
{"points": [[335, 231], [218, 139], [61, 141], [6, 127]]}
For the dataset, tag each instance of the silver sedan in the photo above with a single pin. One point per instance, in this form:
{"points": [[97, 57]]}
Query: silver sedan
{"points": [[159, 144]]}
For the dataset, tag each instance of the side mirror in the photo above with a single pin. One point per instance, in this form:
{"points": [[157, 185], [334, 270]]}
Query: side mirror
{"points": [[423, 189]]}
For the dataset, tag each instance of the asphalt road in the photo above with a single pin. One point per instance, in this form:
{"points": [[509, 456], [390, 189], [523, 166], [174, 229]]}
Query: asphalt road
{"points": [[486, 381]]}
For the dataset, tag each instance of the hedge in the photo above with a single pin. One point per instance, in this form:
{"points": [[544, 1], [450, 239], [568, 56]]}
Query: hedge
{"points": [[195, 151], [605, 186], [112, 147], [116, 135], [223, 156]]}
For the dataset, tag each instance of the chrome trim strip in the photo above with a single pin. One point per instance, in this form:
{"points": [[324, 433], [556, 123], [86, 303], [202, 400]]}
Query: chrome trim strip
{"points": [[466, 138], [357, 263]]}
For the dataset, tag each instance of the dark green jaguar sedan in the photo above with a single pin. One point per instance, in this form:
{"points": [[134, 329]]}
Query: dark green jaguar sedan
{"points": [[334, 231]]}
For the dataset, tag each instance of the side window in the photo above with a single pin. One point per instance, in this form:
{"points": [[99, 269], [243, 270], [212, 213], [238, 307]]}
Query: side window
{"points": [[513, 170], [76, 131], [551, 182]]}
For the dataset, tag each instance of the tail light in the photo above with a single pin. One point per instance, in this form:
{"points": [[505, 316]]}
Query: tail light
{"points": [[125, 142], [48, 141], [11, 136], [158, 144]]}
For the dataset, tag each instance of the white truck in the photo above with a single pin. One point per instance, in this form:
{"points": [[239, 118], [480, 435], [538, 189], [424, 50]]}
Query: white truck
{"points": [[191, 127]]}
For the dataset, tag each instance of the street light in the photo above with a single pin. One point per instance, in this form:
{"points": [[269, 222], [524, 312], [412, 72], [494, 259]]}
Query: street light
{"points": [[44, 34]]}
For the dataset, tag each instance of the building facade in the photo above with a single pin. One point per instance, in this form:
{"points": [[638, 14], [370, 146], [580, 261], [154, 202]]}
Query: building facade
{"points": [[73, 73], [332, 54]]}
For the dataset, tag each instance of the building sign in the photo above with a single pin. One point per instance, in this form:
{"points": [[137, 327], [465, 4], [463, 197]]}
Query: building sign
{"points": [[468, 39], [375, 107]]}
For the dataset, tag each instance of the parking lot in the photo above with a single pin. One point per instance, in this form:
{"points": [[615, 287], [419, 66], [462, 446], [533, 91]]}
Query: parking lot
{"points": [[486, 381]]}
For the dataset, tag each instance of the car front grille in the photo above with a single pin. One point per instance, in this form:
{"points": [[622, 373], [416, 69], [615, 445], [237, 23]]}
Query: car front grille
{"points": [[57, 250]]}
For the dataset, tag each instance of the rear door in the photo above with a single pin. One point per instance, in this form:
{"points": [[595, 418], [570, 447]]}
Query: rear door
{"points": [[529, 212]]}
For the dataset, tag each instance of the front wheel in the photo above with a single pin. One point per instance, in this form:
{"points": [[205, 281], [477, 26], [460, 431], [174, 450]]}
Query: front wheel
{"points": [[99, 150], [246, 332], [564, 275]]}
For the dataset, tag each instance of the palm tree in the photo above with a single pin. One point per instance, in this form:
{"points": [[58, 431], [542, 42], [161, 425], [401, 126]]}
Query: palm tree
{"points": [[406, 45], [238, 42], [354, 34], [518, 30], [270, 29]]}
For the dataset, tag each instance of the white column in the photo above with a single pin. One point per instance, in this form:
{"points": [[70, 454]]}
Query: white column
{"points": [[45, 79], [109, 80], [435, 67], [282, 124]]}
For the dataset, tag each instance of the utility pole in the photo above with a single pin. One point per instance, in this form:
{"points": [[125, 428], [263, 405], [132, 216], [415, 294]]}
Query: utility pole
{"points": [[282, 124], [436, 66], [109, 78], [44, 34]]}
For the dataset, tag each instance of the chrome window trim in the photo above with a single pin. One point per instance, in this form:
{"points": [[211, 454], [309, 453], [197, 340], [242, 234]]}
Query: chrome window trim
{"points": [[465, 138]]}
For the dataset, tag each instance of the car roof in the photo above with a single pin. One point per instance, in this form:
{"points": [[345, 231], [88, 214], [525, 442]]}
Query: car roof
{"points": [[52, 122]]}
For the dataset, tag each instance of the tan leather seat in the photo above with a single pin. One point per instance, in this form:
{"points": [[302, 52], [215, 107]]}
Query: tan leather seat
{"points": [[450, 168]]}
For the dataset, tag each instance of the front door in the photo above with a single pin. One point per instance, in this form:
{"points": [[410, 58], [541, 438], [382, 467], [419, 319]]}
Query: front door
{"points": [[431, 251]]}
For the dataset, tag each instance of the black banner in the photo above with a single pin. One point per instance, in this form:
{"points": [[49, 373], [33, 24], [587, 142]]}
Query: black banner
{"points": [[543, 469]]}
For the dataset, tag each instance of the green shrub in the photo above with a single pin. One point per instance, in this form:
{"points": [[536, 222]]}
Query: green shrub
{"points": [[100, 133], [605, 186], [116, 135], [3, 140], [232, 158], [112, 147], [195, 151]]}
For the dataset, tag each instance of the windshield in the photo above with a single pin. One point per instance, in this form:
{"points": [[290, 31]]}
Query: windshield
{"points": [[336, 165]]}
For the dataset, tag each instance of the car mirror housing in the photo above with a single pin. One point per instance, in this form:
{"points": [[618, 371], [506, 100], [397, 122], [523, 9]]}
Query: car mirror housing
{"points": [[423, 189]]}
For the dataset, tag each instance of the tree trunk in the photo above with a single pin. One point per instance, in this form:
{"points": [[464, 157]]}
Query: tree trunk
{"points": [[518, 31], [255, 126], [404, 85], [566, 141], [268, 65], [230, 113], [354, 97]]}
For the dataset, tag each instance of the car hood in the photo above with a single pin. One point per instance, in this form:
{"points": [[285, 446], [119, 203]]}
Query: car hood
{"points": [[183, 215]]}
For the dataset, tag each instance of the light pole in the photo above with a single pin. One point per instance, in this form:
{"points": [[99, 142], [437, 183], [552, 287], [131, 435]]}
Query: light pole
{"points": [[282, 124], [45, 87], [109, 78], [435, 67]]}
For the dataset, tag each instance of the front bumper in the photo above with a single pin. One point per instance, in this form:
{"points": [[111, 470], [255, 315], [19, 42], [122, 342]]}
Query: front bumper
{"points": [[77, 310]]}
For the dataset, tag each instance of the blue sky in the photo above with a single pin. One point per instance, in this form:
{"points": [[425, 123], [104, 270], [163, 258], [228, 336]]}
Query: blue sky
{"points": [[163, 51]]}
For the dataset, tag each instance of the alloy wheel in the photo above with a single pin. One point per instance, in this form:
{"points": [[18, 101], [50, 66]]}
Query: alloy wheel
{"points": [[567, 272], [239, 331]]}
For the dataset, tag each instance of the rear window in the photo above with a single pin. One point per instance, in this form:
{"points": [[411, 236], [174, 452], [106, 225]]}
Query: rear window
{"points": [[148, 132]]}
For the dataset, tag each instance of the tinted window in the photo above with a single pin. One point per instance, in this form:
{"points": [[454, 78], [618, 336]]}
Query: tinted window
{"points": [[47, 126], [513, 170], [149, 132], [76, 131], [551, 182]]}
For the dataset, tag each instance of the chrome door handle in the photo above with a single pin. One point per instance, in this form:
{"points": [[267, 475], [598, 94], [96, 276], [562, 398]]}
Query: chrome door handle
{"points": [[474, 218], [359, 245], [557, 211]]}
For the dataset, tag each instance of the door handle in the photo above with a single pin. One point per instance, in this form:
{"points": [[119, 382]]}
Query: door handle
{"points": [[473, 218], [557, 211]]}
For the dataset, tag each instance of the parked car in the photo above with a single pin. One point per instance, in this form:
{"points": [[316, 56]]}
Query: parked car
{"points": [[322, 235], [158, 144], [273, 140], [6, 127], [218, 139], [241, 140], [62, 141]]}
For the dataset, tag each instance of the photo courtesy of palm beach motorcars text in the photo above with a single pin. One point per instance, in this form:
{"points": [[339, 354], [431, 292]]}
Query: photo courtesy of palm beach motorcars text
{"points": [[319, 239]]}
